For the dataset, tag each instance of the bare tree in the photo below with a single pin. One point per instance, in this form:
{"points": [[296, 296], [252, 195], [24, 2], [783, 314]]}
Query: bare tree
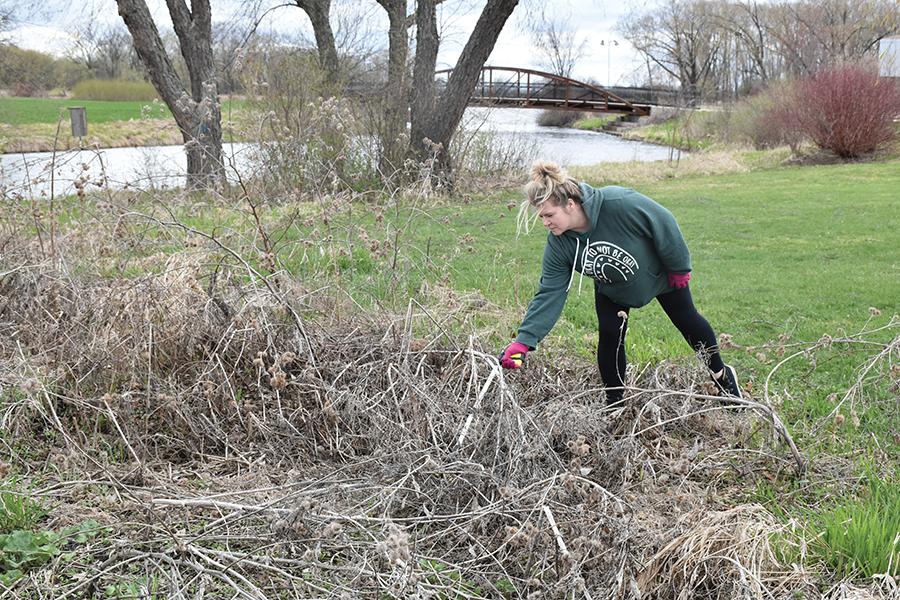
{"points": [[318, 13], [7, 18], [438, 123], [556, 42], [814, 34], [433, 118], [197, 114], [14, 12], [104, 50], [681, 38], [395, 105], [748, 22]]}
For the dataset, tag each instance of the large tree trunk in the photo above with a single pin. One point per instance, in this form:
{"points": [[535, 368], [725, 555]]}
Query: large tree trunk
{"points": [[318, 13], [439, 122], [432, 123], [427, 41], [396, 104], [198, 115]]}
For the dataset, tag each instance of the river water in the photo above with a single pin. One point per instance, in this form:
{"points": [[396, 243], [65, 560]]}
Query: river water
{"points": [[160, 167]]}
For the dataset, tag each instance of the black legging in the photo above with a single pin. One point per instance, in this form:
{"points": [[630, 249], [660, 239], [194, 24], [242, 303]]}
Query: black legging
{"points": [[679, 306]]}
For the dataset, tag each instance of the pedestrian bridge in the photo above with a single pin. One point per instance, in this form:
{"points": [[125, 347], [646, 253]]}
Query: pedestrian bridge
{"points": [[523, 88]]}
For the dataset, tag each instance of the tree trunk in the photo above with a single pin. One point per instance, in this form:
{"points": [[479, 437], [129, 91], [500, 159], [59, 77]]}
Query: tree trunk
{"points": [[318, 13], [440, 122], [423, 92], [198, 115], [396, 103]]}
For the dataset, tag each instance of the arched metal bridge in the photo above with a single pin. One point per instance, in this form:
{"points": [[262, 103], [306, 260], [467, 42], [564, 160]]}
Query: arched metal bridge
{"points": [[524, 88]]}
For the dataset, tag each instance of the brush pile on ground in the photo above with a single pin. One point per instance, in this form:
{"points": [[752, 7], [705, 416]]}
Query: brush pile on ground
{"points": [[231, 438]]}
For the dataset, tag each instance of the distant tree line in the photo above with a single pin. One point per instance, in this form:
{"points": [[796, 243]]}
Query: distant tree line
{"points": [[722, 50], [105, 52]]}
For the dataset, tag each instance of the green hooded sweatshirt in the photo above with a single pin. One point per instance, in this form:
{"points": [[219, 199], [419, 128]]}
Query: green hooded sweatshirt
{"points": [[631, 247]]}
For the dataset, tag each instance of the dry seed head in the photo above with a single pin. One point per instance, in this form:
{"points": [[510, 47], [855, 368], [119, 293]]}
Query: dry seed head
{"points": [[761, 356], [279, 526], [579, 446], [838, 420], [332, 529], [875, 312], [32, 385], [396, 546], [725, 341], [507, 492], [278, 381]]}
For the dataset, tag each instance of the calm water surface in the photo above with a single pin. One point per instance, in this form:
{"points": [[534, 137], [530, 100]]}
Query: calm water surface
{"points": [[568, 147], [30, 175]]}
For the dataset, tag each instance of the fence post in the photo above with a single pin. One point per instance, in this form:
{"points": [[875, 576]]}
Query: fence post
{"points": [[78, 116]]}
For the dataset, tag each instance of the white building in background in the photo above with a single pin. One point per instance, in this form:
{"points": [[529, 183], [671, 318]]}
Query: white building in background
{"points": [[889, 57]]}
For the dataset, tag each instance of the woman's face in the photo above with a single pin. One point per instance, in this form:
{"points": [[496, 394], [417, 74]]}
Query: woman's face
{"points": [[557, 218]]}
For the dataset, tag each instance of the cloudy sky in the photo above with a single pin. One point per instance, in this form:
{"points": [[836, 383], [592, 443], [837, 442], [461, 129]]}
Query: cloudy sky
{"points": [[611, 62]]}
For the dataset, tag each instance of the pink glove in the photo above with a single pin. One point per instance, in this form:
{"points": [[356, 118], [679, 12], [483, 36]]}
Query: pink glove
{"points": [[679, 282], [514, 356]]}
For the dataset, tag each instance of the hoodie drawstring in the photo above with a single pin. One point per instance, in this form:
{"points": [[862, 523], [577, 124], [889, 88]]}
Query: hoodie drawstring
{"points": [[574, 262], [584, 260]]}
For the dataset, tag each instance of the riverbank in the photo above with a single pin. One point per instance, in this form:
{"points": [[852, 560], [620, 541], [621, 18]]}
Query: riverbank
{"points": [[43, 137]]}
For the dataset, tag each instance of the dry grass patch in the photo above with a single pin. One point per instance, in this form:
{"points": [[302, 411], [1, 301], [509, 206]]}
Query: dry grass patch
{"points": [[634, 173], [39, 137]]}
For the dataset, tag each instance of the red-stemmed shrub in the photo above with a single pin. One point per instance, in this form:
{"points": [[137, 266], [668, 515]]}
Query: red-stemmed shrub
{"points": [[847, 110]]}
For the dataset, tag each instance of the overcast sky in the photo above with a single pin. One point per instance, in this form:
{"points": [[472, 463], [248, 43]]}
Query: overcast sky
{"points": [[611, 62]]}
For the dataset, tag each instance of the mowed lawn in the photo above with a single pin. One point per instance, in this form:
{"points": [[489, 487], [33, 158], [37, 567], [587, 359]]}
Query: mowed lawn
{"points": [[26, 111]]}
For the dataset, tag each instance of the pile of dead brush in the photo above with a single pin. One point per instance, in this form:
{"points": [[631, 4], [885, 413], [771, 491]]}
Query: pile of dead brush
{"points": [[231, 437]]}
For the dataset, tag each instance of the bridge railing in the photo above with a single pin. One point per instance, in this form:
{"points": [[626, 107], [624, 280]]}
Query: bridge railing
{"points": [[504, 86]]}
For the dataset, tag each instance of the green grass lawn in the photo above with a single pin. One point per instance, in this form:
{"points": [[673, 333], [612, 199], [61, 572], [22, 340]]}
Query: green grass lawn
{"points": [[24, 111]]}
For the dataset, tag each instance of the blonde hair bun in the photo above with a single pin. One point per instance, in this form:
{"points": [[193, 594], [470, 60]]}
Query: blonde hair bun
{"points": [[549, 181]]}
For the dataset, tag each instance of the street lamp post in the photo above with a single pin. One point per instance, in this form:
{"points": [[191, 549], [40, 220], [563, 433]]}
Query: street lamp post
{"points": [[609, 44]]}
